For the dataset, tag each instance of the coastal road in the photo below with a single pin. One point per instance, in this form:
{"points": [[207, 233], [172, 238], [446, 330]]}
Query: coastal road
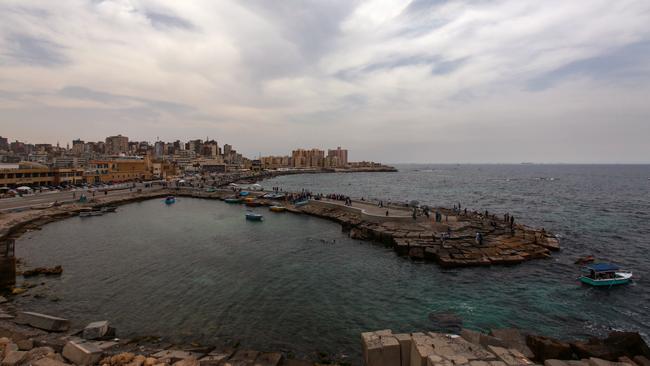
{"points": [[17, 203]]}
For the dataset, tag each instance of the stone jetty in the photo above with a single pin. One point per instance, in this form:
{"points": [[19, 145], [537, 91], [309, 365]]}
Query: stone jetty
{"points": [[502, 347]]}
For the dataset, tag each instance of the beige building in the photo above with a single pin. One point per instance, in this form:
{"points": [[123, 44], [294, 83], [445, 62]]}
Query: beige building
{"points": [[116, 145], [338, 156]]}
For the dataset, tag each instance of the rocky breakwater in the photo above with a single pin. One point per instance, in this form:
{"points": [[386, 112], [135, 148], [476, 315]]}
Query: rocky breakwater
{"points": [[502, 347], [450, 241], [28, 338]]}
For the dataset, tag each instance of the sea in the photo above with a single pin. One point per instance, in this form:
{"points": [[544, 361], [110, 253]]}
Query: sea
{"points": [[197, 271]]}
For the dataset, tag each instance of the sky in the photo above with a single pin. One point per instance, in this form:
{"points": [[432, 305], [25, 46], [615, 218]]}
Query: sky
{"points": [[423, 81]]}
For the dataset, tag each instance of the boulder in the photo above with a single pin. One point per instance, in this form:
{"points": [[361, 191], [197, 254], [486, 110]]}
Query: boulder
{"points": [[554, 362], [191, 361], [216, 357], [628, 343], [513, 338], [626, 360], [170, 356], [48, 362], [13, 358], [42, 321], [96, 330], [268, 359], [81, 353], [545, 348], [25, 344], [593, 361], [641, 360]]}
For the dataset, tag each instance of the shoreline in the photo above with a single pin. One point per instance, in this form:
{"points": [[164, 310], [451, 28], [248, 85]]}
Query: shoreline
{"points": [[147, 347]]}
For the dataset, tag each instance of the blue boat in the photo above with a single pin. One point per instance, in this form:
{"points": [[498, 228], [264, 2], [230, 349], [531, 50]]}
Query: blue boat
{"points": [[604, 274], [244, 193], [170, 199], [252, 216]]}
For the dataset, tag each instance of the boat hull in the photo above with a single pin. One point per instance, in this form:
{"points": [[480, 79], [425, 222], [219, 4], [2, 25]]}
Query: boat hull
{"points": [[605, 282], [277, 208], [232, 200], [254, 217]]}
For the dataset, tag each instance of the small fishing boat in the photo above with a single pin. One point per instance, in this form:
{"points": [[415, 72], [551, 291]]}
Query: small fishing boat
{"points": [[252, 203], [604, 274], [301, 203], [232, 200], [96, 213], [109, 208], [252, 216], [170, 199], [277, 208], [85, 214], [244, 193]]}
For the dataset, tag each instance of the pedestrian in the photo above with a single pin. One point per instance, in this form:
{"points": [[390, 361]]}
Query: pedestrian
{"points": [[74, 195], [386, 212], [106, 192]]}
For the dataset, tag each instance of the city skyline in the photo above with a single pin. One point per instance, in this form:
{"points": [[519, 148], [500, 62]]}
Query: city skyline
{"points": [[418, 81]]}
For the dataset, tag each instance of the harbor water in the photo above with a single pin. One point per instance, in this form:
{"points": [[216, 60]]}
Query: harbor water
{"points": [[198, 271]]}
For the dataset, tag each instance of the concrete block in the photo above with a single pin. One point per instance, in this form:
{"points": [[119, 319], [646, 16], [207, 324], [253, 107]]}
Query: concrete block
{"points": [[96, 330], [13, 358], [434, 360], [268, 359], [105, 345], [390, 351], [42, 321], [419, 353], [405, 348], [371, 348], [243, 357], [81, 353], [593, 361]]}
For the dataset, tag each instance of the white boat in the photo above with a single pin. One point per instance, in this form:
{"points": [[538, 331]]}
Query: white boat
{"points": [[605, 274]]}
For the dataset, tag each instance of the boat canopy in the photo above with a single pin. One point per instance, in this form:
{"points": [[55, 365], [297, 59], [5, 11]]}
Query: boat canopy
{"points": [[602, 267]]}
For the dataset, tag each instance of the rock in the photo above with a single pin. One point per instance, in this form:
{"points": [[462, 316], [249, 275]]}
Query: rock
{"points": [[42, 321], [25, 344], [13, 358], [545, 348], [3, 299], [446, 322], [39, 352], [294, 362], [48, 362], [138, 360], [509, 357], [628, 343], [554, 362], [594, 348], [5, 316], [244, 357], [405, 348], [81, 353], [96, 330], [626, 360], [513, 339], [191, 361], [641, 360], [175, 355], [150, 361], [481, 339], [594, 361], [215, 357], [54, 271], [268, 359]]}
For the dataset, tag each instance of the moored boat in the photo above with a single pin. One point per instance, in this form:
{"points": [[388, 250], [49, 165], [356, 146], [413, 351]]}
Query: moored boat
{"points": [[252, 203], [244, 193], [252, 216], [109, 208], [604, 274], [232, 200], [277, 208], [170, 199], [301, 203]]}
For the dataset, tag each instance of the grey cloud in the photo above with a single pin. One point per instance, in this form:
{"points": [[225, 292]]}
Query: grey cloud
{"points": [[439, 66], [165, 21], [25, 49], [623, 63], [78, 92]]}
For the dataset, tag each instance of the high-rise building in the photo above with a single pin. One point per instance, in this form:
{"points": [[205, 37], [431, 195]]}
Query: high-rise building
{"points": [[78, 146], [4, 143], [116, 145], [341, 156]]}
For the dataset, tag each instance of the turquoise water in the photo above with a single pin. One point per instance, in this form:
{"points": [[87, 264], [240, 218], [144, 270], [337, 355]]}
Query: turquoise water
{"points": [[198, 271]]}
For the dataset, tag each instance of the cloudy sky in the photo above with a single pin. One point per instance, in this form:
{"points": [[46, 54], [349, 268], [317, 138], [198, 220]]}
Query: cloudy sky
{"points": [[393, 81]]}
